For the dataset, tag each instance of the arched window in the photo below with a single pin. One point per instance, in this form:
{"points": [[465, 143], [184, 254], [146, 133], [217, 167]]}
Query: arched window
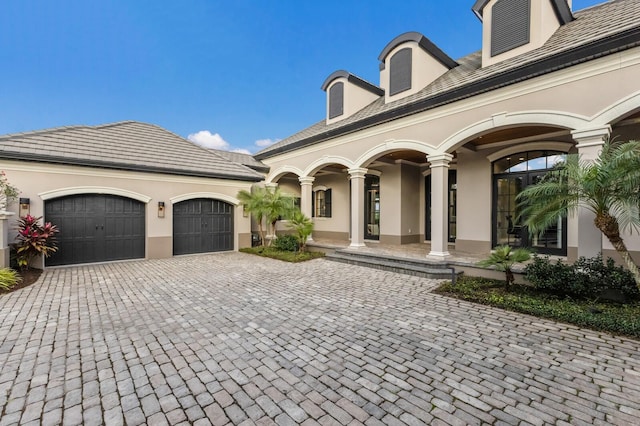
{"points": [[400, 71], [510, 25], [511, 175], [336, 100]]}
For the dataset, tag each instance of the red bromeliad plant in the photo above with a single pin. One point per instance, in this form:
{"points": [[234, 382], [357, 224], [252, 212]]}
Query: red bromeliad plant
{"points": [[34, 240]]}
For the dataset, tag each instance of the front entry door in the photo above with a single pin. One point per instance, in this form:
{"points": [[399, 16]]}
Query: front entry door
{"points": [[509, 228]]}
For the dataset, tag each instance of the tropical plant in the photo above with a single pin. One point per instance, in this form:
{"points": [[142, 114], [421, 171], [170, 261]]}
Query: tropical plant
{"points": [[278, 205], [34, 240], [609, 187], [503, 258], [9, 278], [266, 203], [302, 226], [255, 203], [8, 192]]}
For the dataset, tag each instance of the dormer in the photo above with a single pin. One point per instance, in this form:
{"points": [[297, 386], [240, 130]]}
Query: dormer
{"points": [[347, 94], [409, 63], [513, 27]]}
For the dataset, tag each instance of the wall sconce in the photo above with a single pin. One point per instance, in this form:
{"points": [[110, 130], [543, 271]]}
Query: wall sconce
{"points": [[25, 206], [160, 209], [245, 213]]}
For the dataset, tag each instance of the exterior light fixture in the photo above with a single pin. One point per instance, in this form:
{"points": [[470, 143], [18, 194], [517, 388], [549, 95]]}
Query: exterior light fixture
{"points": [[245, 213], [25, 207], [161, 209]]}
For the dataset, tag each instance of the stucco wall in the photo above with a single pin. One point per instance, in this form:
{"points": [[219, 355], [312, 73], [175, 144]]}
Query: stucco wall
{"points": [[35, 180]]}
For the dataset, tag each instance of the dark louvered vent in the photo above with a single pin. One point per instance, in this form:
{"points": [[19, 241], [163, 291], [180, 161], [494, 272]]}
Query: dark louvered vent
{"points": [[510, 25], [336, 100], [400, 71]]}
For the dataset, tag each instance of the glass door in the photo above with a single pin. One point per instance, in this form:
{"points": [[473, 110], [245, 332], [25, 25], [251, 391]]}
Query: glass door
{"points": [[451, 204], [372, 208], [511, 175]]}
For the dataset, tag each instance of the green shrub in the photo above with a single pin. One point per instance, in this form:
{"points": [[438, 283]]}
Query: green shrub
{"points": [[286, 243], [585, 279], [9, 278], [610, 317]]}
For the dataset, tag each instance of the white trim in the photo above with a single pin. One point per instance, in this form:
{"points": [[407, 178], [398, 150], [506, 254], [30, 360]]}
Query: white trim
{"points": [[212, 195], [277, 174], [540, 118], [617, 110], [326, 160], [532, 146], [319, 188], [392, 145], [75, 190]]}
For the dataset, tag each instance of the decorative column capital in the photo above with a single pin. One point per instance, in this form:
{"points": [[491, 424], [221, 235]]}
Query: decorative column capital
{"points": [[358, 173], [5, 214], [439, 160], [306, 180], [591, 137], [271, 185]]}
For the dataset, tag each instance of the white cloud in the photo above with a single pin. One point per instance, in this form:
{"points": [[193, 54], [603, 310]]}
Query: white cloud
{"points": [[208, 140], [266, 142], [241, 151]]}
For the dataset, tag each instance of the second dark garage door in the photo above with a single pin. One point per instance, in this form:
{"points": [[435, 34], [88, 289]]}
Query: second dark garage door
{"points": [[96, 228], [202, 225]]}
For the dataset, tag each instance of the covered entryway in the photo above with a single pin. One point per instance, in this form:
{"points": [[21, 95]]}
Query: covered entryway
{"points": [[96, 228], [202, 225]]}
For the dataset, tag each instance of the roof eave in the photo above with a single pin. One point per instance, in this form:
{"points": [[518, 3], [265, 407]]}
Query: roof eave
{"points": [[614, 43], [126, 167]]}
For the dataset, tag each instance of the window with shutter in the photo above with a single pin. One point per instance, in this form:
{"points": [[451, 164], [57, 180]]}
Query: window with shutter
{"points": [[510, 25], [321, 203]]}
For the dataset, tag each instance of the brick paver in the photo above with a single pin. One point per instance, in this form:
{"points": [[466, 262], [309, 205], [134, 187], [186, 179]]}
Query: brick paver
{"points": [[233, 338]]}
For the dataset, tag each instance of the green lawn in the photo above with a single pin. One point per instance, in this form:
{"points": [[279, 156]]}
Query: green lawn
{"points": [[287, 256], [595, 314]]}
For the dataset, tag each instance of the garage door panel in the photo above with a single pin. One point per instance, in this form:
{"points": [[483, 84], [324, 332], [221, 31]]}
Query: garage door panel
{"points": [[97, 228], [202, 225]]}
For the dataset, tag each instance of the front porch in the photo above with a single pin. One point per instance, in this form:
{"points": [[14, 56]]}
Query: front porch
{"points": [[412, 255]]}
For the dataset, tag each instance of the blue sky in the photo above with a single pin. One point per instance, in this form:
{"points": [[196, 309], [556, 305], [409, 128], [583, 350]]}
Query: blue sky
{"points": [[236, 73]]}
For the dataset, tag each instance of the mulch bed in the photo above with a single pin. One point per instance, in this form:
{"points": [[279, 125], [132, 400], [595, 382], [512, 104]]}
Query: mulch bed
{"points": [[29, 277]]}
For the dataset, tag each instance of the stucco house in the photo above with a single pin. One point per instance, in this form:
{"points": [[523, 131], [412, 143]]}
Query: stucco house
{"points": [[127, 190], [438, 150]]}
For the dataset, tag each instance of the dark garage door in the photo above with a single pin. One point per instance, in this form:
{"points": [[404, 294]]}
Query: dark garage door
{"points": [[96, 228], [202, 225]]}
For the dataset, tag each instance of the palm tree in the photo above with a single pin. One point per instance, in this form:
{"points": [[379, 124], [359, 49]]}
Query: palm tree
{"points": [[255, 202], [277, 206], [503, 258], [302, 226], [609, 187]]}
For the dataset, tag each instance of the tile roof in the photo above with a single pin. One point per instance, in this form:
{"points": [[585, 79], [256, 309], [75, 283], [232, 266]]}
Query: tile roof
{"points": [[244, 159], [126, 145], [615, 25]]}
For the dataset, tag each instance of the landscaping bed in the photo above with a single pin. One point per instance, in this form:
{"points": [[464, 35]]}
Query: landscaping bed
{"points": [[27, 277], [287, 256], [597, 314]]}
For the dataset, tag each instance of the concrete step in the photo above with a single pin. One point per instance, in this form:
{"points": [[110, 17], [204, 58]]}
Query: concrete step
{"points": [[415, 267]]}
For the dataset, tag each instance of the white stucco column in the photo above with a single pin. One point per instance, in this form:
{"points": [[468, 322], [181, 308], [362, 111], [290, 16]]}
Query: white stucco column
{"points": [[306, 195], [439, 164], [271, 186], [589, 144], [356, 176], [4, 238]]}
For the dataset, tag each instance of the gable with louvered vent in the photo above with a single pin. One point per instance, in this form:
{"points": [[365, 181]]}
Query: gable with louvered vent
{"points": [[336, 100], [510, 25], [400, 71]]}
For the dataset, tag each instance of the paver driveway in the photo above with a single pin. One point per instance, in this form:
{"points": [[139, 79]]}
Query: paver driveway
{"points": [[235, 338]]}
